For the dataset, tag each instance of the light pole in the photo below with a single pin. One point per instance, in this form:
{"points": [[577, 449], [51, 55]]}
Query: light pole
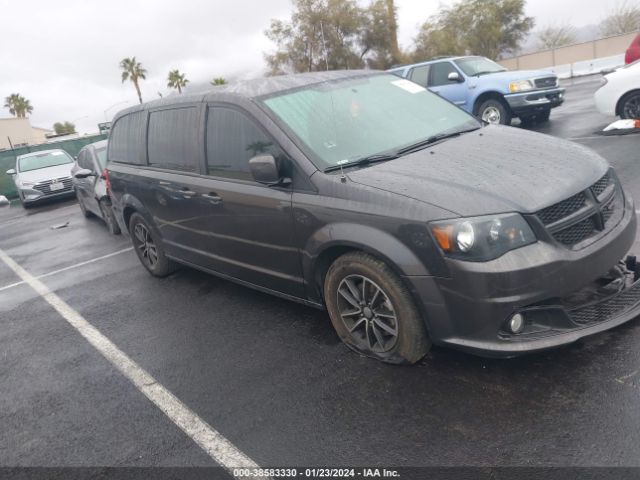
{"points": [[114, 105]]}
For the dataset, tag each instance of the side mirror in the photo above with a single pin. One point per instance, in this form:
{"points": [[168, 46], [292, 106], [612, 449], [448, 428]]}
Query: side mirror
{"points": [[454, 77], [84, 173], [4, 202], [264, 170], [11, 172]]}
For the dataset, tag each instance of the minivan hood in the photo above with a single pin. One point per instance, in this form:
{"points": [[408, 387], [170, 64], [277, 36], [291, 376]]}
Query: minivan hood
{"points": [[48, 173], [492, 170]]}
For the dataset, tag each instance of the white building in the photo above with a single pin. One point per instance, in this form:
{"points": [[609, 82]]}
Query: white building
{"points": [[18, 132]]}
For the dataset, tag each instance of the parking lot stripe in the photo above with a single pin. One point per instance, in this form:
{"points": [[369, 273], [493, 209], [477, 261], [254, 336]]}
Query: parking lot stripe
{"points": [[211, 441], [70, 267]]}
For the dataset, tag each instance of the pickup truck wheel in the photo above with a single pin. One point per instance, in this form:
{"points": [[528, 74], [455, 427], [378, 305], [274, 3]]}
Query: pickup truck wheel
{"points": [[630, 105], [543, 116], [372, 311], [148, 249], [495, 112], [109, 218]]}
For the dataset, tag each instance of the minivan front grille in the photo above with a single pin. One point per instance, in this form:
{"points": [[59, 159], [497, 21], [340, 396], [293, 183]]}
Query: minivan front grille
{"points": [[576, 233], [601, 185], [562, 209], [546, 82], [45, 187], [584, 217]]}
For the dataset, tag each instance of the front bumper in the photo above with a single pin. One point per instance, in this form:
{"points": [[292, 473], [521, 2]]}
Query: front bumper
{"points": [[31, 196], [470, 308], [535, 101]]}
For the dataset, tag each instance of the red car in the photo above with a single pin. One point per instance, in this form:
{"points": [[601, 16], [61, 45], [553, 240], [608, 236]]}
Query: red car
{"points": [[633, 52]]}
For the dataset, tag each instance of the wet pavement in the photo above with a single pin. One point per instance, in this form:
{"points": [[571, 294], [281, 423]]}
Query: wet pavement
{"points": [[272, 376]]}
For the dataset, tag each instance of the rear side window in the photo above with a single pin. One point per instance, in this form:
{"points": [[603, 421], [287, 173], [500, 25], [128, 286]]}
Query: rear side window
{"points": [[173, 139], [126, 140], [232, 140], [420, 75]]}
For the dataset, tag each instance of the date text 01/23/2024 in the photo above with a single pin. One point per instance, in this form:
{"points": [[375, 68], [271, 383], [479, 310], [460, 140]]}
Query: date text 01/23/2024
{"points": [[287, 473]]}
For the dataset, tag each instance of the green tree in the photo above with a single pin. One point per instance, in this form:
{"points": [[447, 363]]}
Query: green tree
{"points": [[555, 36], [380, 36], [18, 105], [334, 34], [132, 70], [481, 27], [624, 18], [219, 81], [64, 128], [176, 80]]}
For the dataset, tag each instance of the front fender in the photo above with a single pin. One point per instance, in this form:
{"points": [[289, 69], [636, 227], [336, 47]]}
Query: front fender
{"points": [[368, 239]]}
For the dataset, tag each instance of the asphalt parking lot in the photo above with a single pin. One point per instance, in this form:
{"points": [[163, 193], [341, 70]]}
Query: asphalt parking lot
{"points": [[272, 377]]}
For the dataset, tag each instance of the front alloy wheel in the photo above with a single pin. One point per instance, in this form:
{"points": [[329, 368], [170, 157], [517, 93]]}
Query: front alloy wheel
{"points": [[372, 310], [367, 313]]}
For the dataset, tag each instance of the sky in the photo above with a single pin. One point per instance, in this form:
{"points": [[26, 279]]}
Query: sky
{"points": [[64, 56]]}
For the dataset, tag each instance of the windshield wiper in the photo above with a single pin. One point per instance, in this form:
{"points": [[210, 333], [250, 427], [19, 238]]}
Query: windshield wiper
{"points": [[378, 157], [431, 140]]}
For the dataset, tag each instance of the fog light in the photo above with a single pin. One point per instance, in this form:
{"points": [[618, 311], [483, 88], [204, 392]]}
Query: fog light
{"points": [[516, 323]]}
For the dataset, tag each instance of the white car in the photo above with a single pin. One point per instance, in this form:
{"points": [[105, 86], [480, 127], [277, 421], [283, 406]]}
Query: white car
{"points": [[620, 92], [42, 175]]}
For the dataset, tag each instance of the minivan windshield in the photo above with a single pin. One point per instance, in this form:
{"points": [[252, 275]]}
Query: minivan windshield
{"points": [[43, 160], [472, 66], [343, 121]]}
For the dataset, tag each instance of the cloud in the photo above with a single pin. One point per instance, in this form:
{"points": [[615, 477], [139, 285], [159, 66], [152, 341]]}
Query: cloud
{"points": [[64, 56]]}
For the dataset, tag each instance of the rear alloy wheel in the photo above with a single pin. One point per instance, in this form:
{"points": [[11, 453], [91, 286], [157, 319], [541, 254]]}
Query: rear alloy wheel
{"points": [[493, 111], [630, 106], [109, 218], [83, 208], [372, 311], [148, 249]]}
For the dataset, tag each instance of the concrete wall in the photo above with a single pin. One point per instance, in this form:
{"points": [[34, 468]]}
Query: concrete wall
{"points": [[578, 54]]}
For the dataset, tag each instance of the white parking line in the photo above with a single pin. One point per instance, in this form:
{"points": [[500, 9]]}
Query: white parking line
{"points": [[70, 267], [211, 441]]}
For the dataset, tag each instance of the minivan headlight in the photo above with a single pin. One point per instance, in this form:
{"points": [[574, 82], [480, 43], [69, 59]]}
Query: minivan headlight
{"points": [[481, 239], [520, 86]]}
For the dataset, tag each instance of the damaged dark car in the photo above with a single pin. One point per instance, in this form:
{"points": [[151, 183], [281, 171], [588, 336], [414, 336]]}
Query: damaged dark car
{"points": [[365, 194]]}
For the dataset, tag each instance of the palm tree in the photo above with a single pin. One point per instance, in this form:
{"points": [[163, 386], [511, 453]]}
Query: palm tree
{"points": [[177, 80], [132, 70], [18, 105], [219, 81]]}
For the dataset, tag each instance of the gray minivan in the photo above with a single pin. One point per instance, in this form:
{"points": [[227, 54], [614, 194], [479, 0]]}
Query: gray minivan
{"points": [[401, 214]]}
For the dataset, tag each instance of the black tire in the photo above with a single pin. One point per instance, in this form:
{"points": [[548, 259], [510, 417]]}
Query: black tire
{"points": [[494, 111], [109, 217], [86, 213], [543, 116], [26, 206], [149, 251], [630, 105], [528, 121], [370, 331]]}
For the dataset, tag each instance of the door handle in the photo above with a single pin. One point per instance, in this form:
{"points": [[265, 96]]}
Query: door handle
{"points": [[212, 197], [185, 192]]}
